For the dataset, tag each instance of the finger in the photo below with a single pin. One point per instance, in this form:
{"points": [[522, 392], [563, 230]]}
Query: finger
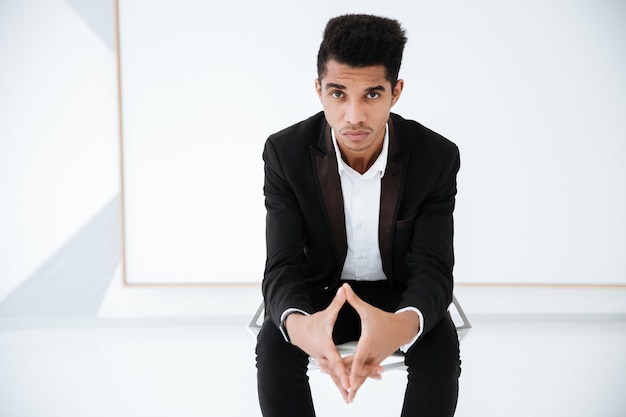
{"points": [[358, 360], [355, 388], [357, 371], [344, 393], [338, 301], [339, 370], [331, 312], [347, 363], [374, 372], [368, 370], [336, 367], [323, 365]]}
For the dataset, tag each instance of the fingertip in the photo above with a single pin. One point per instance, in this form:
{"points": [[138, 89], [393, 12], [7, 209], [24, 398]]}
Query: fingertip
{"points": [[351, 396], [350, 294]]}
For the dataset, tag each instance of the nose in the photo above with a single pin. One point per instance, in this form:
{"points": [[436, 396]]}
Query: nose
{"points": [[355, 112]]}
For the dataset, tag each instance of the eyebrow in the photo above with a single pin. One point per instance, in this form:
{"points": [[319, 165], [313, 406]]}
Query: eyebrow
{"points": [[377, 88], [343, 87], [335, 86]]}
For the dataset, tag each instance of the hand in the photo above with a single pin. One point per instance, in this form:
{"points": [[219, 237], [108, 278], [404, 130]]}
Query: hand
{"points": [[382, 334], [314, 335]]}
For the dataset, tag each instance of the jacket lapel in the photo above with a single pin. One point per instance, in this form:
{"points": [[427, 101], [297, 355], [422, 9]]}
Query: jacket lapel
{"points": [[390, 196], [330, 188]]}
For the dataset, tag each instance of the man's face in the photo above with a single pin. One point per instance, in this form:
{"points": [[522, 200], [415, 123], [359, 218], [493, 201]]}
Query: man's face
{"points": [[357, 103]]}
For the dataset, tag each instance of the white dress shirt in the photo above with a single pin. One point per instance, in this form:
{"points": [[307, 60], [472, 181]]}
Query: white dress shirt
{"points": [[361, 203]]}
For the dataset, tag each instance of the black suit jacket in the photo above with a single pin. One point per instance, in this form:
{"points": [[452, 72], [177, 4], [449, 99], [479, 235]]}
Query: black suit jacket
{"points": [[306, 232]]}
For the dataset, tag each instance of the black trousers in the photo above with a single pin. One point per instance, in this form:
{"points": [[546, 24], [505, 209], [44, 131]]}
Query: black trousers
{"points": [[433, 362]]}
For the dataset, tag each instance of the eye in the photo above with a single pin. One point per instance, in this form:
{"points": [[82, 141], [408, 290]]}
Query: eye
{"points": [[372, 95], [336, 94]]}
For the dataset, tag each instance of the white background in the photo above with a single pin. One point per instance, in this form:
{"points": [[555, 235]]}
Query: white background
{"points": [[533, 92], [60, 178], [59, 217]]}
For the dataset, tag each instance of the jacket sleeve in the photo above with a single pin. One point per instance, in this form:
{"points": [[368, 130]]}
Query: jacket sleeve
{"points": [[430, 258], [286, 263]]}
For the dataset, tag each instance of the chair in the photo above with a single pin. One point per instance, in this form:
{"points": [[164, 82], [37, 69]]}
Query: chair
{"points": [[393, 362]]}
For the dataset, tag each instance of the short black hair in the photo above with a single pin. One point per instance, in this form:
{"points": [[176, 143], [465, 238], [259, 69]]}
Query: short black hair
{"points": [[360, 40]]}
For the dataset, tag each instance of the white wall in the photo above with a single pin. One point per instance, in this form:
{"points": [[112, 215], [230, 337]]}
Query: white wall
{"points": [[533, 92], [59, 156]]}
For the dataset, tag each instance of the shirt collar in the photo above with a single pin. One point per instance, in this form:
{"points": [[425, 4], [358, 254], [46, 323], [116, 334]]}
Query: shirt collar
{"points": [[379, 166]]}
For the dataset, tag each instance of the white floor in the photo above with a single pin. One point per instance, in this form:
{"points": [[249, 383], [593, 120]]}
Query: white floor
{"points": [[512, 366]]}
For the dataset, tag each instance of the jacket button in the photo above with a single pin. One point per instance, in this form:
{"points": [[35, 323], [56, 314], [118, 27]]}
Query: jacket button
{"points": [[325, 286]]}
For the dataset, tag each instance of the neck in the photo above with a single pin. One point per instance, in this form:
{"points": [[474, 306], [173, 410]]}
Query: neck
{"points": [[360, 163]]}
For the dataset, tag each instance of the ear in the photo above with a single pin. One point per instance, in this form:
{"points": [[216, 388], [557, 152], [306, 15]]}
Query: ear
{"points": [[318, 88], [397, 91]]}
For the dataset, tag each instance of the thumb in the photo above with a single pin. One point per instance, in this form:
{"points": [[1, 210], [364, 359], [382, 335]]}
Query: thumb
{"points": [[339, 300]]}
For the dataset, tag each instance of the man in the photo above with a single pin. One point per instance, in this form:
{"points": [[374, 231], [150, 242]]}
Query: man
{"points": [[359, 235]]}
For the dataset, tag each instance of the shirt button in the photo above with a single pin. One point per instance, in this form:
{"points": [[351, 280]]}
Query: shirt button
{"points": [[358, 226]]}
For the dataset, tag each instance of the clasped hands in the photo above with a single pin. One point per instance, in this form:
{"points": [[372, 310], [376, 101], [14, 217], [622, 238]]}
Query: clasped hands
{"points": [[382, 333]]}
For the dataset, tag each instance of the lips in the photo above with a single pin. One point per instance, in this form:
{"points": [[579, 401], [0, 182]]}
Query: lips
{"points": [[356, 135]]}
